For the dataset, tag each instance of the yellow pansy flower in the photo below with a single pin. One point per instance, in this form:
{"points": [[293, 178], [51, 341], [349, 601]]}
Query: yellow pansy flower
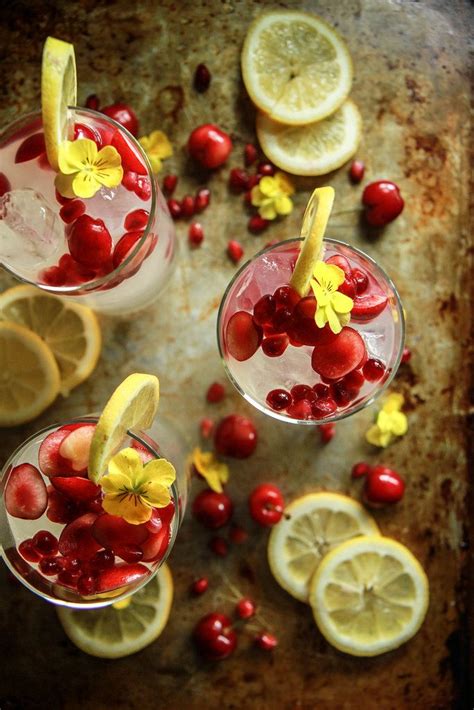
{"points": [[157, 147], [84, 169], [332, 306], [210, 468], [132, 489], [271, 196], [390, 422]]}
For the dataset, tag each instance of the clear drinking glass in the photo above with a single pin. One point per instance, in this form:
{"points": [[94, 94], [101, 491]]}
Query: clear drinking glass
{"points": [[35, 221], [379, 322], [163, 439]]}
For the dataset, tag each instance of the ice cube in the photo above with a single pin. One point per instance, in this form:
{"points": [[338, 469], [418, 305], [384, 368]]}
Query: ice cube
{"points": [[31, 233]]}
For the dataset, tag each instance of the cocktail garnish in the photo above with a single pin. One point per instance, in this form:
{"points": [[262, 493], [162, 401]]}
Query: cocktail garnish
{"points": [[84, 169], [332, 306], [271, 196], [210, 468]]}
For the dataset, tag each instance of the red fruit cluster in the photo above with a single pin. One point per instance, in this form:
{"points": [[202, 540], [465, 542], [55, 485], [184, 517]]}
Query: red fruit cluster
{"points": [[242, 181], [189, 205]]}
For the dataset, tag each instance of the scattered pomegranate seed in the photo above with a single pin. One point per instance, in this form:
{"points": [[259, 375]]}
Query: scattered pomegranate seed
{"points": [[383, 485], [28, 551], [212, 509], [235, 436], [238, 179], [215, 392], [266, 504], [327, 432], [383, 202], [169, 183], [202, 199], [279, 399], [187, 206], [373, 370], [265, 169], [257, 224], [199, 586], [209, 145], [123, 114], [219, 546], [245, 608], [238, 535], [45, 543], [264, 310], [86, 585], [175, 208], [250, 154], [360, 469], [104, 559], [214, 636], [266, 641], [72, 210], [406, 355], [356, 171], [202, 78], [253, 180], [93, 102], [341, 394], [50, 566], [235, 250], [206, 426], [195, 234]]}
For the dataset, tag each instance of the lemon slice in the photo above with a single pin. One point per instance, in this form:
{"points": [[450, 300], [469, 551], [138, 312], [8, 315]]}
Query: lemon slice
{"points": [[295, 67], [29, 375], [369, 595], [58, 91], [71, 330], [315, 219], [312, 525], [125, 627], [133, 405], [315, 149]]}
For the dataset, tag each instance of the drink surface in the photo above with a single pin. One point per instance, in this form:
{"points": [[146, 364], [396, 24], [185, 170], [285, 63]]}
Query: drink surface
{"points": [[276, 346], [113, 251]]}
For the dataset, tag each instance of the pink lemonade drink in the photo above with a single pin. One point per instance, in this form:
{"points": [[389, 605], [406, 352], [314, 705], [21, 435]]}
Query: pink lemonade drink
{"points": [[113, 251], [56, 537], [287, 366]]}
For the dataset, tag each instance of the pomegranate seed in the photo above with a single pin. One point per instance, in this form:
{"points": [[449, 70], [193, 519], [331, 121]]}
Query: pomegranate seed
{"points": [[238, 535], [406, 355], [266, 641], [206, 426], [238, 179], [187, 206], [303, 392], [235, 251], [373, 370], [327, 432], [68, 579], [353, 380], [219, 546], [215, 393], [202, 78], [323, 407], [279, 399], [72, 210], [136, 220], [214, 636], [72, 564], [275, 345], [28, 551], [104, 559], [202, 199], [175, 208], [93, 102], [53, 276], [286, 297], [50, 566], [356, 171], [86, 585], [129, 180], [341, 394], [212, 509], [235, 436], [253, 180], [245, 608], [300, 410], [360, 280], [360, 469], [281, 320], [195, 234], [257, 224], [321, 390], [199, 586], [169, 183], [250, 154], [45, 543], [383, 485], [143, 188], [348, 287], [264, 310], [266, 504], [265, 169]]}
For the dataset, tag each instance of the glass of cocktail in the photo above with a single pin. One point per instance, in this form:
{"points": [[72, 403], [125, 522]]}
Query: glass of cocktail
{"points": [[100, 232], [285, 358], [85, 543]]}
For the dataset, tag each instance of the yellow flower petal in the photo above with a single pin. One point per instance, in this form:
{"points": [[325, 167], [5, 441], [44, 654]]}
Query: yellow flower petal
{"points": [[76, 155], [155, 162], [267, 210], [160, 145], [341, 303], [159, 471], [268, 186], [257, 196], [145, 143], [394, 402], [284, 183], [127, 462], [283, 205], [156, 495], [399, 423], [84, 184], [130, 508], [110, 177], [211, 469], [63, 184], [108, 157], [376, 437], [116, 482], [333, 320], [322, 297], [321, 317], [384, 421]]}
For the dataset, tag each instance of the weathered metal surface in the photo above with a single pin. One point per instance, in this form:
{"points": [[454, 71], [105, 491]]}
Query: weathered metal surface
{"points": [[412, 86]]}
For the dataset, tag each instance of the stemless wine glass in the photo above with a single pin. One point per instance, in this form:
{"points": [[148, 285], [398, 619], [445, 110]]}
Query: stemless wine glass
{"points": [[131, 237], [287, 367], [112, 573]]}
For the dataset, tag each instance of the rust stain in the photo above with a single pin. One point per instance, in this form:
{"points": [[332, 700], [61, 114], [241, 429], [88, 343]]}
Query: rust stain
{"points": [[448, 305], [414, 91]]}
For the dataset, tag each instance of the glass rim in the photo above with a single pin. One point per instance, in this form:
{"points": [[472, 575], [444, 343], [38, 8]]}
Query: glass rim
{"points": [[103, 280], [94, 603], [348, 412]]}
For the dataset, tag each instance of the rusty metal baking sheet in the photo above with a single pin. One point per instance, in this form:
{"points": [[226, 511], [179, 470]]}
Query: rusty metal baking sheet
{"points": [[412, 87]]}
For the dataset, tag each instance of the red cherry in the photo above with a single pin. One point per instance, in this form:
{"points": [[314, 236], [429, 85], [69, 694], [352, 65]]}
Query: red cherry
{"points": [[266, 641], [235, 250], [212, 509], [123, 114], [209, 145], [383, 202], [195, 234], [368, 305], [169, 183], [72, 210], [275, 345], [90, 242], [25, 493], [238, 180], [250, 154], [83, 131], [219, 546], [360, 469], [93, 102], [175, 208], [266, 504], [214, 636], [199, 586], [245, 608], [202, 78], [383, 485], [202, 199], [356, 171], [215, 393], [235, 436], [342, 355], [257, 224], [341, 262], [360, 280], [242, 336], [5, 185], [373, 370], [327, 431], [279, 399], [348, 287]]}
